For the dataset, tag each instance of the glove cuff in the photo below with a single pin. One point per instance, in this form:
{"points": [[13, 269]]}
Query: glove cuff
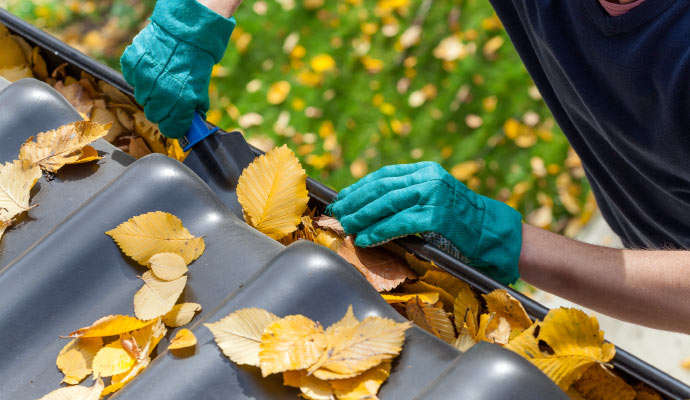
{"points": [[500, 242], [195, 24]]}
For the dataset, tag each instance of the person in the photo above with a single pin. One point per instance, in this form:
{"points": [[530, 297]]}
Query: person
{"points": [[616, 78]]}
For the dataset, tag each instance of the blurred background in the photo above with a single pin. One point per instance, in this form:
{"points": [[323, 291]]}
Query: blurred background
{"points": [[353, 85]]}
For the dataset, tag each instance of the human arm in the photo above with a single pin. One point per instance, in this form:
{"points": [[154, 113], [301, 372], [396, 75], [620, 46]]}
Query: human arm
{"points": [[169, 62], [646, 287]]}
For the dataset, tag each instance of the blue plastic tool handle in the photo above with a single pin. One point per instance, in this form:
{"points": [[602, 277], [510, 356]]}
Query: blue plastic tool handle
{"points": [[198, 132]]}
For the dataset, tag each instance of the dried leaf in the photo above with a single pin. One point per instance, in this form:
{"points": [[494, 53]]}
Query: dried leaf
{"points": [[364, 386], [383, 269], [644, 392], [181, 314], [112, 359], [423, 287], [77, 97], [76, 358], [466, 310], [147, 338], [157, 296], [239, 334], [175, 151], [16, 180], [502, 303], [311, 387], [76, 392], [497, 330], [598, 383], [290, 343], [150, 132], [183, 338], [110, 325], [425, 297], [418, 266], [354, 349], [273, 192], [464, 341], [13, 63], [120, 380], [431, 319], [138, 148], [447, 282], [330, 223], [56, 148], [328, 239], [146, 235], [168, 266], [574, 344]]}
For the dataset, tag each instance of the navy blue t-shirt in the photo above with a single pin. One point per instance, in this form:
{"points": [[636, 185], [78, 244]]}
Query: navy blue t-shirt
{"points": [[619, 87]]}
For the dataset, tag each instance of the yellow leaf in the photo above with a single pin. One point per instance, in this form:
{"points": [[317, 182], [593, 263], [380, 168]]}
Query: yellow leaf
{"points": [[425, 297], [120, 380], [183, 338], [150, 132], [418, 266], [168, 266], [278, 92], [354, 349], [54, 149], [598, 383], [157, 296], [273, 192], [239, 334], [431, 319], [76, 358], [574, 344], [16, 180], [88, 154], [146, 339], [174, 150], [446, 281], [423, 287], [466, 310], [290, 343], [497, 330], [383, 269], [464, 341], [328, 239], [76, 392], [111, 325], [181, 314], [364, 386], [13, 63], [112, 359], [311, 387], [146, 235], [77, 96], [644, 392], [502, 303]]}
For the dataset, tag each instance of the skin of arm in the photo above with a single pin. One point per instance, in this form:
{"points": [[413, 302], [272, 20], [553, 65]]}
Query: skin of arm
{"points": [[225, 8], [645, 287]]}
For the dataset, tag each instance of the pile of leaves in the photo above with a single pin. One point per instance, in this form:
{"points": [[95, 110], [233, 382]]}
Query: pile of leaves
{"points": [[119, 347], [567, 345], [95, 100], [349, 360]]}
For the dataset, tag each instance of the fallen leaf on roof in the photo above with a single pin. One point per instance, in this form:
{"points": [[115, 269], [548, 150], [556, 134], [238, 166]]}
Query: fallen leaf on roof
{"points": [[76, 358], [330, 223], [16, 180], [157, 297], [110, 325], [430, 318], [383, 269], [181, 314], [77, 96], [175, 151], [146, 235], [564, 345], [364, 386], [239, 334], [598, 383], [13, 63], [168, 266], [183, 338], [273, 193], [120, 380], [422, 287], [356, 348], [290, 343], [76, 392], [112, 359], [56, 148], [502, 303], [310, 386], [425, 297]]}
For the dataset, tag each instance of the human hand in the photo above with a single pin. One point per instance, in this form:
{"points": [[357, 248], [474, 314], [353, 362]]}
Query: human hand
{"points": [[169, 62], [225, 8], [400, 200]]}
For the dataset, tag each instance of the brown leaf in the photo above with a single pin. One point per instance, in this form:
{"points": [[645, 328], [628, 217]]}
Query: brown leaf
{"points": [[503, 304], [383, 269], [430, 318], [77, 97], [138, 147], [598, 383], [330, 223]]}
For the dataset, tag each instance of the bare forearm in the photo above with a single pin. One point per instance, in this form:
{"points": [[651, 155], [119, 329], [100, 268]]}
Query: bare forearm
{"points": [[649, 288], [225, 8]]}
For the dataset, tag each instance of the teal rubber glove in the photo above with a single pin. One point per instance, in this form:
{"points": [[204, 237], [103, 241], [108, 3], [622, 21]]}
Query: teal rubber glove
{"points": [[169, 62], [420, 198]]}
